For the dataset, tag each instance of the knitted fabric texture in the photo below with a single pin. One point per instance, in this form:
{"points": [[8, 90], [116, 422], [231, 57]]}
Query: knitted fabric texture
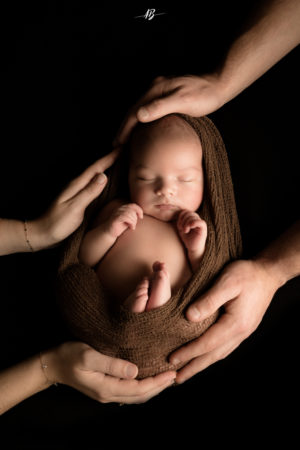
{"points": [[148, 338]]}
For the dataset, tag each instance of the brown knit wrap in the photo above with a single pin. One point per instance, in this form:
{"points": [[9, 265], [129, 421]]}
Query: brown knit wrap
{"points": [[148, 338]]}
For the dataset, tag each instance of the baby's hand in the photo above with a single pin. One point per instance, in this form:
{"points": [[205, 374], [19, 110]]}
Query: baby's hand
{"points": [[193, 231], [125, 216]]}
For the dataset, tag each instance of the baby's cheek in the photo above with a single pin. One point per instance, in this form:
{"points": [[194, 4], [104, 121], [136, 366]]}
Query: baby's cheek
{"points": [[193, 198], [140, 197]]}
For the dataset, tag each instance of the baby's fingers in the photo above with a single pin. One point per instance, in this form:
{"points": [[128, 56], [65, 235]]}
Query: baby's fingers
{"points": [[181, 218], [130, 219], [191, 221], [137, 209]]}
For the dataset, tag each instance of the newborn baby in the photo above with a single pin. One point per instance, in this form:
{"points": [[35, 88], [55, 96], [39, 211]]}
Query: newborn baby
{"points": [[145, 246]]}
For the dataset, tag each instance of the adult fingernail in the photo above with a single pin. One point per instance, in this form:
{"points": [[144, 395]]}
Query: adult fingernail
{"points": [[175, 361], [101, 178], [143, 113], [194, 313], [130, 371]]}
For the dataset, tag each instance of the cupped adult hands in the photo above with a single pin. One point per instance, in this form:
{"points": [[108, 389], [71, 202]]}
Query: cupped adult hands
{"points": [[67, 211], [101, 377], [245, 289], [190, 94]]}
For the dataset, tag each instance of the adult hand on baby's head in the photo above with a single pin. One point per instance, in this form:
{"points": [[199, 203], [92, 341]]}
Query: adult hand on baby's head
{"points": [[101, 377], [189, 94], [66, 213], [245, 289]]}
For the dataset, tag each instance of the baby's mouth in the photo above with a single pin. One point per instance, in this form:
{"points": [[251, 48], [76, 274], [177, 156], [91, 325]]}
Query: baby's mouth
{"points": [[165, 206]]}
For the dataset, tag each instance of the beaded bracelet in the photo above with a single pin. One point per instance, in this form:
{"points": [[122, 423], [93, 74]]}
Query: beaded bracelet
{"points": [[26, 236], [44, 367]]}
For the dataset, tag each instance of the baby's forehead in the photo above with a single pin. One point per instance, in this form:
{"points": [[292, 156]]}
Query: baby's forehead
{"points": [[170, 127]]}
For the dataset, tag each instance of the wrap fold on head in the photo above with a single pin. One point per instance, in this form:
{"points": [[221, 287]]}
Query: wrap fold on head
{"points": [[148, 338]]}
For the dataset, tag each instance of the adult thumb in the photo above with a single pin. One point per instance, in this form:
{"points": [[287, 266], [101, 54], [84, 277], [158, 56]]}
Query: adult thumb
{"points": [[208, 303], [158, 108]]}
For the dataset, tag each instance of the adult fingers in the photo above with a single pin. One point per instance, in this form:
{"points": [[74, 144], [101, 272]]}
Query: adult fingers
{"points": [[115, 367], [202, 362], [224, 330], [148, 395], [159, 88], [138, 391], [161, 107], [84, 197], [221, 292], [87, 176]]}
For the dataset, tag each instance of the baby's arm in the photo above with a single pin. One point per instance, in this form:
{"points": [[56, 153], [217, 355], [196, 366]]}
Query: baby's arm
{"points": [[193, 232], [112, 221]]}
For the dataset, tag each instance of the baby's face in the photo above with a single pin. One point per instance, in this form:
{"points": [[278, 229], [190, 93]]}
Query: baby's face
{"points": [[166, 176]]}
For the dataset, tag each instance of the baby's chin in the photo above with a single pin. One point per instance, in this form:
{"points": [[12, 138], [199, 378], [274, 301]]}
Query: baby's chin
{"points": [[163, 215]]}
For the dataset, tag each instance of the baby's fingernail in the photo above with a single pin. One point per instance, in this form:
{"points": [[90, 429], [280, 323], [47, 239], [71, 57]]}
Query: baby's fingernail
{"points": [[143, 113], [100, 178]]}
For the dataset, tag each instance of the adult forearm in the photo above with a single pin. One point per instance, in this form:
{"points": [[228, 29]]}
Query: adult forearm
{"points": [[15, 236], [12, 237], [20, 382], [275, 33], [282, 257]]}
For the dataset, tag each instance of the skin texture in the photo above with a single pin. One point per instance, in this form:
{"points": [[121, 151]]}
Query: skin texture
{"points": [[73, 363], [166, 185], [166, 168], [272, 36], [274, 32]]}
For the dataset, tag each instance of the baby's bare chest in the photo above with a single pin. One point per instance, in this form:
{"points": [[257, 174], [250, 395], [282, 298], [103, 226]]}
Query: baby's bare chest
{"points": [[132, 256]]}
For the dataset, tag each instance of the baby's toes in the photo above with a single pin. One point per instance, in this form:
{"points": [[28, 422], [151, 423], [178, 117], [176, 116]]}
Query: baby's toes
{"points": [[142, 287], [136, 302]]}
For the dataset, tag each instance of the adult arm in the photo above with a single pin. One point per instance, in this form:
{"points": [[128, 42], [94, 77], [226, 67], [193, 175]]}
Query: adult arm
{"points": [[62, 218], [245, 289], [75, 364], [274, 33]]}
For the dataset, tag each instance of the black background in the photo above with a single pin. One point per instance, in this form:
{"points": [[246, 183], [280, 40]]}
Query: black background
{"points": [[69, 72]]}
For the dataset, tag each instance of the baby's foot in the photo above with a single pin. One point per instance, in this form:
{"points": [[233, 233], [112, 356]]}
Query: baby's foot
{"points": [[160, 289], [136, 302], [151, 292]]}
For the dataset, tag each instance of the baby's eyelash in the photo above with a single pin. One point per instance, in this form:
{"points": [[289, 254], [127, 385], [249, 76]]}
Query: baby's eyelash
{"points": [[152, 179]]}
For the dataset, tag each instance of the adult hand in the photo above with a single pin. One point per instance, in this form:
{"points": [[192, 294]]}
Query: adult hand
{"points": [[245, 288], [101, 377], [66, 213], [189, 94]]}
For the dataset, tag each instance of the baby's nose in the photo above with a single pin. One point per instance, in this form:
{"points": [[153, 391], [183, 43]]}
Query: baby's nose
{"points": [[165, 188]]}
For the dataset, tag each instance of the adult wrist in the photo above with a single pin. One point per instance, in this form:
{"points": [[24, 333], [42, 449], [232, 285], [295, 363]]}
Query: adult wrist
{"points": [[49, 362], [37, 235], [221, 85], [273, 269]]}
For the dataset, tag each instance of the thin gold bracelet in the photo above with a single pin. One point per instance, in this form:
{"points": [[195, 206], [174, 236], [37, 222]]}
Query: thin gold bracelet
{"points": [[26, 236], [44, 367]]}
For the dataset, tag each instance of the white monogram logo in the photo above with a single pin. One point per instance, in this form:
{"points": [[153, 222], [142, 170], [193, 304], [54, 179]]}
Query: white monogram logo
{"points": [[149, 15]]}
